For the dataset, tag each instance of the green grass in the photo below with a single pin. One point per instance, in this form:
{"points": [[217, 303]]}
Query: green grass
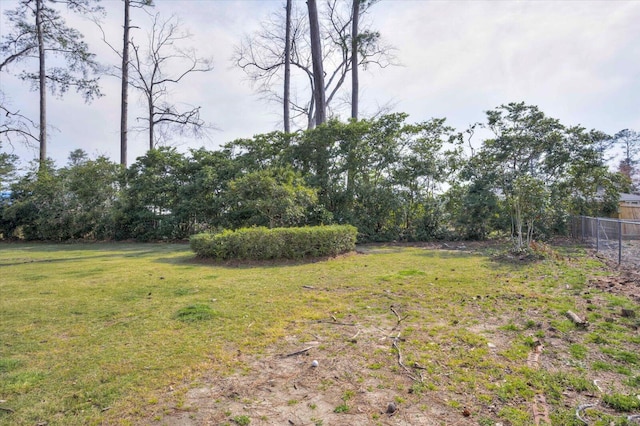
{"points": [[625, 403], [96, 334], [242, 420], [193, 313]]}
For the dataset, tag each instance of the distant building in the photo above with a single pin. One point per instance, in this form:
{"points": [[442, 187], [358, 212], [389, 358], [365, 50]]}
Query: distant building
{"points": [[631, 199], [629, 207]]}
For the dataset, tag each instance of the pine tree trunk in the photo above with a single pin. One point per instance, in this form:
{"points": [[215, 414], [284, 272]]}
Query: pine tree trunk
{"points": [[42, 80], [287, 69], [124, 100], [354, 60], [316, 57]]}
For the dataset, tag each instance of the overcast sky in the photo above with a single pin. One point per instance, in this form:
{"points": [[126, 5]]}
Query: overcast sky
{"points": [[579, 61]]}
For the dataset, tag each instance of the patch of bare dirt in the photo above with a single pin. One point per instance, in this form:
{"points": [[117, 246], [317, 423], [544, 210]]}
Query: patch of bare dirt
{"points": [[287, 388], [620, 280]]}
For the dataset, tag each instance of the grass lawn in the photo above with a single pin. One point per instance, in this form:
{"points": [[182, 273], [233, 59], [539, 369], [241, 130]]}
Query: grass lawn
{"points": [[130, 333]]}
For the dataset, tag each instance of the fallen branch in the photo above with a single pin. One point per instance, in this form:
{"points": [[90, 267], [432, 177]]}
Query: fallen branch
{"points": [[595, 383], [577, 320], [581, 408], [298, 352], [336, 323], [8, 410], [398, 317], [392, 337], [404, 367]]}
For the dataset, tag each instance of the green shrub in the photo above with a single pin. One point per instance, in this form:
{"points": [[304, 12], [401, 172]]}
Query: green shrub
{"points": [[278, 243]]}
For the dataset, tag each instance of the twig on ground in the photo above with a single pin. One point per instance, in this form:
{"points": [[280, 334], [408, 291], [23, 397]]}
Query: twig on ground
{"points": [[404, 367], [336, 323], [400, 319], [8, 410], [298, 352], [352, 339], [595, 383]]}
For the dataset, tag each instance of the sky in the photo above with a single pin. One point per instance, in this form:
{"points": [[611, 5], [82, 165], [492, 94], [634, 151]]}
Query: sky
{"points": [[578, 61]]}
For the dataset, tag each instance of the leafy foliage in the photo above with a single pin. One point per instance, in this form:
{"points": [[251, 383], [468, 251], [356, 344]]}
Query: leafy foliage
{"points": [[21, 44], [278, 243], [541, 170], [383, 176], [271, 197], [75, 202]]}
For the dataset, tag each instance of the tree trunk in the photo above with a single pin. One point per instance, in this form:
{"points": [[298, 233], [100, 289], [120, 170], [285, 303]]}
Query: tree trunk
{"points": [[354, 59], [42, 81], [287, 69], [124, 100], [316, 57], [151, 122]]}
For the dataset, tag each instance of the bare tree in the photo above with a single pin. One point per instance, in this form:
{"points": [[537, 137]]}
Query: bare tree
{"points": [[38, 29], [123, 70], [124, 97], [162, 64], [260, 55], [16, 126], [263, 55]]}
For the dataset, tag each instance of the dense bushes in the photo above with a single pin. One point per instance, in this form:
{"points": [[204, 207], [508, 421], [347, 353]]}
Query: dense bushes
{"points": [[385, 177], [278, 243]]}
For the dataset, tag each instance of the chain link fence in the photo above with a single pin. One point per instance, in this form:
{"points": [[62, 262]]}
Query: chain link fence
{"points": [[616, 239]]}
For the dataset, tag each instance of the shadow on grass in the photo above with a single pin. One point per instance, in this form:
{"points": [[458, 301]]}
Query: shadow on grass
{"points": [[21, 252], [193, 260], [70, 259], [447, 254]]}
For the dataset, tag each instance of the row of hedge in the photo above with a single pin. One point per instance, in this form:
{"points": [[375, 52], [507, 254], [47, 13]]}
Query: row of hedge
{"points": [[279, 243]]}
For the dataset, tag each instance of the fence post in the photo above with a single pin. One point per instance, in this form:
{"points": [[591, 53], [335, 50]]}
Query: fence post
{"points": [[582, 226], [619, 242], [597, 234]]}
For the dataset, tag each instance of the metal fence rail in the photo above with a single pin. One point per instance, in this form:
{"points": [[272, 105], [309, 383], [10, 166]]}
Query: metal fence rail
{"points": [[614, 238]]}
